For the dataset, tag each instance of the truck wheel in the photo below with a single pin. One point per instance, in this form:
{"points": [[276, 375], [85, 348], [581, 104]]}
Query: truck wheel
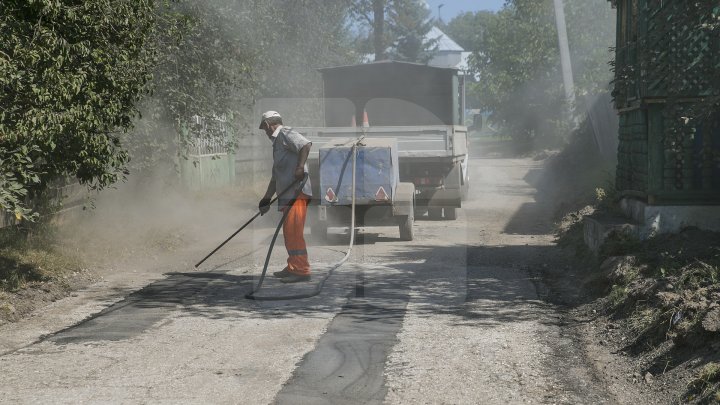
{"points": [[450, 213], [435, 213], [406, 228], [319, 230]]}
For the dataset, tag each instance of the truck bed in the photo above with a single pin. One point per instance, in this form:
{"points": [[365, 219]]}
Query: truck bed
{"points": [[443, 142]]}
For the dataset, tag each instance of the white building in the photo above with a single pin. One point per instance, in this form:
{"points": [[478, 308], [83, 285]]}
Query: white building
{"points": [[449, 54]]}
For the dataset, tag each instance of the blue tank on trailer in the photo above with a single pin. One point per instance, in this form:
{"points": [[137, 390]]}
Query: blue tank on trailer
{"points": [[377, 175]]}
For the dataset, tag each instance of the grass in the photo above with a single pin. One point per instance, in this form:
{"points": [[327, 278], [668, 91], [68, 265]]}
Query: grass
{"points": [[643, 319], [698, 274], [25, 259], [706, 381], [618, 295]]}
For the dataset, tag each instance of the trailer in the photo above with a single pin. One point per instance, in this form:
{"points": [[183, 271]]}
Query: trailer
{"points": [[420, 107], [363, 173]]}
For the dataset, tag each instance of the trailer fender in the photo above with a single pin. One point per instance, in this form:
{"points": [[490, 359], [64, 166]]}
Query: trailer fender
{"points": [[465, 174]]}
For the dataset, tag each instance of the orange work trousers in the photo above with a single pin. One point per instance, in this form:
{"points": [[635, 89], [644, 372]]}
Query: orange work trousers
{"points": [[293, 228]]}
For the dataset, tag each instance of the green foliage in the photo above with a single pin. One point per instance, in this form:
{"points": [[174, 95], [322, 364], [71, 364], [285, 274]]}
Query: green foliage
{"points": [[371, 15], [75, 75], [591, 34], [216, 58], [617, 295], [205, 65], [71, 73], [17, 173], [520, 81], [517, 58], [707, 378], [302, 37], [410, 24], [469, 29], [398, 28], [25, 259]]}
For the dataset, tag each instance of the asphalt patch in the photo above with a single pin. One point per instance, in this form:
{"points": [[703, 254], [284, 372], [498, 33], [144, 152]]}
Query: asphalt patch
{"points": [[347, 365], [139, 311]]}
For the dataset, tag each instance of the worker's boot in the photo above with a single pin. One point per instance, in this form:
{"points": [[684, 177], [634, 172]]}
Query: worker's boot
{"points": [[282, 273], [295, 278]]}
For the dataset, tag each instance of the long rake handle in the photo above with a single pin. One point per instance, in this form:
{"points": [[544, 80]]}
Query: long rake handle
{"points": [[227, 240], [243, 227]]}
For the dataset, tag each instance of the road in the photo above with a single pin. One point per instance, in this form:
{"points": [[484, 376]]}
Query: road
{"points": [[454, 317]]}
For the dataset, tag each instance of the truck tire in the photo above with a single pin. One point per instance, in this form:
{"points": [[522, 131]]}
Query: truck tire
{"points": [[406, 228], [450, 213]]}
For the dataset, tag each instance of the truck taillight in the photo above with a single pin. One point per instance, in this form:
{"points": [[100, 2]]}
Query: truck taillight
{"points": [[381, 195], [428, 181], [330, 196]]}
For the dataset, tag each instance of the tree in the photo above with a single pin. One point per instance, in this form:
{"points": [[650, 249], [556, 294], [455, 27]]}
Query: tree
{"points": [[314, 34], [398, 27], [222, 57], [208, 54], [468, 29], [71, 73], [411, 23], [519, 69], [591, 33], [372, 14], [518, 64]]}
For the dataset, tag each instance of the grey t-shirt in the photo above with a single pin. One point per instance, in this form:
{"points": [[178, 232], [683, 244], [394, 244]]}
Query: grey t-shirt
{"points": [[286, 146]]}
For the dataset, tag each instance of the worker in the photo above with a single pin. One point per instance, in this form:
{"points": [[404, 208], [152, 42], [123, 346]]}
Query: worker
{"points": [[290, 152]]}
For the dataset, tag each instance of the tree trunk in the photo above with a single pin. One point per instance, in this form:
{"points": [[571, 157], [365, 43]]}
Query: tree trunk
{"points": [[379, 28]]}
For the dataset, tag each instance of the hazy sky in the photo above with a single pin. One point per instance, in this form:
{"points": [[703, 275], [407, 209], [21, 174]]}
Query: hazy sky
{"points": [[451, 8]]}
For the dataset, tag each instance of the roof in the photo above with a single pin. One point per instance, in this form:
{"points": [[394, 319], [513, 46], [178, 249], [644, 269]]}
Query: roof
{"points": [[445, 43], [387, 63]]}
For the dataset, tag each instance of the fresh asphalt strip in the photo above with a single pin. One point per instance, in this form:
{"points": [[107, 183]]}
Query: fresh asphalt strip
{"points": [[347, 364]]}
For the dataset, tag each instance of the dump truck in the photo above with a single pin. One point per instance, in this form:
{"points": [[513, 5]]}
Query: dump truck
{"points": [[420, 107]]}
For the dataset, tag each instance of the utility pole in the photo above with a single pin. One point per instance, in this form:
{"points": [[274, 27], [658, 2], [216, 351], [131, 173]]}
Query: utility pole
{"points": [[440, 21], [567, 72]]}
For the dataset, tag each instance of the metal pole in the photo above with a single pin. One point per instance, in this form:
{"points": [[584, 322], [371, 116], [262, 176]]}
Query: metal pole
{"points": [[565, 62]]}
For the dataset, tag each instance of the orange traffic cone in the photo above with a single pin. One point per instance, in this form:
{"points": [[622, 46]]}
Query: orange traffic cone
{"points": [[366, 123]]}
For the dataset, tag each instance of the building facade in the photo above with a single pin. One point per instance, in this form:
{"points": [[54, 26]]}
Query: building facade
{"points": [[666, 91]]}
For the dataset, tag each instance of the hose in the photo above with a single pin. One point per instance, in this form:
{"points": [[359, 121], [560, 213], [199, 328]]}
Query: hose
{"points": [[318, 288], [250, 220]]}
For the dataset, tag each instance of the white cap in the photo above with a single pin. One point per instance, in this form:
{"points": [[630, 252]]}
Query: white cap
{"points": [[268, 114]]}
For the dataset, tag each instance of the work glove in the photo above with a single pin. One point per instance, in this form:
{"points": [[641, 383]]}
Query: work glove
{"points": [[264, 206]]}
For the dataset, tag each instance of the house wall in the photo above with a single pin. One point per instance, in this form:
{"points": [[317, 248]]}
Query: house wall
{"points": [[664, 158], [632, 168]]}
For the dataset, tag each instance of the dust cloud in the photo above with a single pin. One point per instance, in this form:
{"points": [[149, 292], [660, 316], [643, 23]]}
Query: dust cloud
{"points": [[152, 216]]}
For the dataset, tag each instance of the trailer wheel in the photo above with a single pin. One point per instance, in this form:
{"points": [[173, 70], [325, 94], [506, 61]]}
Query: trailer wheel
{"points": [[406, 228], [450, 213]]}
